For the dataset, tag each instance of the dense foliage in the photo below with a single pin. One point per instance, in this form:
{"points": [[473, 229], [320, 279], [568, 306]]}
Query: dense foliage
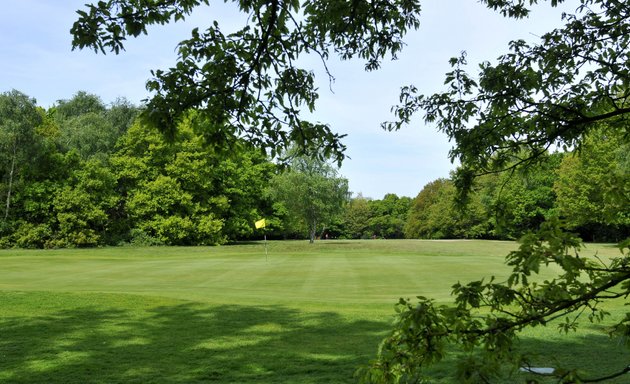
{"points": [[248, 83], [581, 187], [311, 193], [563, 91], [95, 175], [84, 174], [592, 188], [366, 218], [501, 206]]}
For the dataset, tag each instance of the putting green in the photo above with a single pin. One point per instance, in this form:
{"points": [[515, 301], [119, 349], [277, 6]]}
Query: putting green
{"points": [[325, 273]]}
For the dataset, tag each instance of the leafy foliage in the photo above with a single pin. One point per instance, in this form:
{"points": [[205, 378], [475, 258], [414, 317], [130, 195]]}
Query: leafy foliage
{"points": [[488, 315], [389, 215], [523, 199], [19, 118], [590, 184], [81, 206], [536, 96], [183, 192], [90, 181], [247, 83], [433, 216], [368, 218], [312, 193], [356, 217], [427, 218], [555, 93], [87, 126]]}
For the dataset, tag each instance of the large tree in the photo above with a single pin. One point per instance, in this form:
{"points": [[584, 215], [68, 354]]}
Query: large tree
{"points": [[588, 184], [506, 117], [431, 215], [356, 218], [183, 192], [389, 216], [88, 126], [365, 218], [312, 193], [19, 119], [520, 201], [248, 83]]}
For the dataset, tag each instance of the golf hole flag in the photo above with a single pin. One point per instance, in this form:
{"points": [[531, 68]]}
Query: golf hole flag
{"points": [[260, 224]]}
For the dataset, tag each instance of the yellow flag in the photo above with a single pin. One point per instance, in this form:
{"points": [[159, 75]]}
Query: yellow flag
{"points": [[260, 224]]}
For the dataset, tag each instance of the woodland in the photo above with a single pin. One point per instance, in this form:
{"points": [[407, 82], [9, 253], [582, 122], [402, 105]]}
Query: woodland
{"points": [[85, 174]]}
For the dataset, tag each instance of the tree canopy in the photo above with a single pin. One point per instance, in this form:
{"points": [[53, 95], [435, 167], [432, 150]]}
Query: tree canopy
{"points": [[554, 93], [248, 83], [312, 193], [535, 97], [19, 119], [84, 174]]}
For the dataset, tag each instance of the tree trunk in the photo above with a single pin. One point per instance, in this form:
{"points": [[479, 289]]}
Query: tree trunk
{"points": [[313, 231], [8, 205]]}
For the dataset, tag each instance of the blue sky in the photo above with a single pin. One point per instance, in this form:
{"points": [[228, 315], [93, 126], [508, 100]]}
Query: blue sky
{"points": [[36, 58]]}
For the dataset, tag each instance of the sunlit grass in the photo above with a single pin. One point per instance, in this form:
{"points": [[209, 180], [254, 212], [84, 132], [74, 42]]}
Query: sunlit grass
{"points": [[300, 314]]}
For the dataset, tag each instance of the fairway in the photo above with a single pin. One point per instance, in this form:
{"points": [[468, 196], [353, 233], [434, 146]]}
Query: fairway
{"points": [[231, 314]]}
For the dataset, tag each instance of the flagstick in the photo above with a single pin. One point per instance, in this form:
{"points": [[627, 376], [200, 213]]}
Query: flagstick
{"points": [[262, 223], [266, 257]]}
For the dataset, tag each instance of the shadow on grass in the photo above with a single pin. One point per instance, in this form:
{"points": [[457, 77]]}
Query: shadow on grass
{"points": [[594, 355], [186, 343], [98, 341]]}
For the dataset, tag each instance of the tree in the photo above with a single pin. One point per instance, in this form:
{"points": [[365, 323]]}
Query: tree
{"points": [[366, 218], [121, 114], [88, 126], [81, 206], [587, 185], [19, 119], [312, 193], [431, 214], [389, 216], [247, 83], [553, 93], [184, 192], [522, 200], [80, 104], [36, 224], [356, 218]]}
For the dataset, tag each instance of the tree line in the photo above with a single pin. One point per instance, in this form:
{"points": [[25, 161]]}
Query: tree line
{"points": [[83, 173], [580, 187]]}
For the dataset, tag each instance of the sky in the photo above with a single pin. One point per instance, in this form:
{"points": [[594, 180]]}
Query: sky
{"points": [[36, 58]]}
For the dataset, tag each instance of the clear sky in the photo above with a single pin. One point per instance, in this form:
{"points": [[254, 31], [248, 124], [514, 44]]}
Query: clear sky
{"points": [[36, 59]]}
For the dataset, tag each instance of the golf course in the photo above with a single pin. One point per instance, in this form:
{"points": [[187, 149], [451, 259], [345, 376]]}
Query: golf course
{"points": [[291, 313]]}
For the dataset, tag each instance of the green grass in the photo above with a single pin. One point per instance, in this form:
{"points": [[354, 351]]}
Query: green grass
{"points": [[303, 314]]}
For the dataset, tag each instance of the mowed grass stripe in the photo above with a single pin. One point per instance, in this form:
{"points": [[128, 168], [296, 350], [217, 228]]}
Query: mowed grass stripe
{"points": [[293, 272], [360, 272], [303, 314]]}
